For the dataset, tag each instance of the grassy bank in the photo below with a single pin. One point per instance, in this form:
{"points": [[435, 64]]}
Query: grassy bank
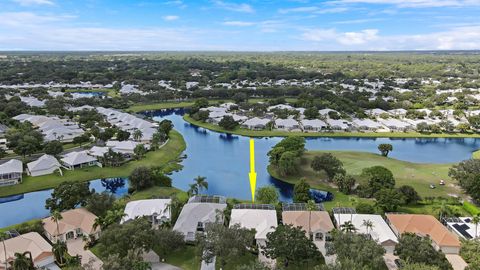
{"points": [[279, 133], [166, 156], [476, 154], [417, 175]]}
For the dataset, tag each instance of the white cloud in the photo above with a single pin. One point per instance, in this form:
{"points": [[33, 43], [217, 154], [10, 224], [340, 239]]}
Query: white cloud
{"points": [[415, 3], [457, 38], [170, 18], [238, 23], [29, 19], [33, 2], [241, 7]]}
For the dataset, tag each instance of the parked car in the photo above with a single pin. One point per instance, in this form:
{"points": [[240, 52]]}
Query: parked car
{"points": [[442, 183], [432, 186]]}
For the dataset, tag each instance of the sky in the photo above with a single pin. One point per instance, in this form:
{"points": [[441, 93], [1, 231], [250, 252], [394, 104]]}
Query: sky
{"points": [[245, 25]]}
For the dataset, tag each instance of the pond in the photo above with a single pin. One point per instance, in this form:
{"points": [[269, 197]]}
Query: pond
{"points": [[20, 208], [89, 94], [224, 160]]}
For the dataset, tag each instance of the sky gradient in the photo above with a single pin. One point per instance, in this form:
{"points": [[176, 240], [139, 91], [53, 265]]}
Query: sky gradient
{"points": [[247, 25]]}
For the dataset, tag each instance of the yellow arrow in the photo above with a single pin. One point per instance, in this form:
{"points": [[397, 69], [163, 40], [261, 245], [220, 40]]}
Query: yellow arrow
{"points": [[252, 175]]}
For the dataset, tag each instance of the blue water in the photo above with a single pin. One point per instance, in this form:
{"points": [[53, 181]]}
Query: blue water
{"points": [[89, 94], [224, 160], [32, 205]]}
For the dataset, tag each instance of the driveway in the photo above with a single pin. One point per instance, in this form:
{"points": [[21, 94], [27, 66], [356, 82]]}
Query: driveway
{"points": [[75, 247]]}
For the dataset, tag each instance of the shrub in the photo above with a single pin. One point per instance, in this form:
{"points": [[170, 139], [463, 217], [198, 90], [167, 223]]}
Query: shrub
{"points": [[471, 208]]}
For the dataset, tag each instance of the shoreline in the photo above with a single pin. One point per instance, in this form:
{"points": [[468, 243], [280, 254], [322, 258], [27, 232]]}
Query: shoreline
{"points": [[279, 133]]}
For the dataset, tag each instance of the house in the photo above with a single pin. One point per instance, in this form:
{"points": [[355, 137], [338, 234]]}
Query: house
{"points": [[338, 124], [398, 112], [124, 147], [74, 160], [3, 130], [425, 226], [366, 124], [287, 124], [75, 223], [157, 210], [196, 213], [376, 112], [320, 222], [44, 165], [256, 123], [11, 172], [98, 151], [280, 107], [463, 227], [395, 124], [380, 231], [261, 217], [40, 249], [325, 112], [314, 125]]}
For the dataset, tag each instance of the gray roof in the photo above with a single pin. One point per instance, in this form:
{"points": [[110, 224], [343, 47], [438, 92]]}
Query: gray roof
{"points": [[45, 162], [11, 166], [193, 213], [77, 158]]}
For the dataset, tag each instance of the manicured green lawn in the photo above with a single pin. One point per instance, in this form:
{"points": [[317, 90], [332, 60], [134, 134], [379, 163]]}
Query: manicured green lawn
{"points": [[476, 154], [279, 133], [163, 157], [185, 258], [416, 175]]}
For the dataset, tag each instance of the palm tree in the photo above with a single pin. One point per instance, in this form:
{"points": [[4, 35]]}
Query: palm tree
{"points": [[368, 224], [443, 210], [4, 237], [476, 221], [348, 227], [137, 134], [193, 190], [56, 216], [311, 206], [59, 249], [23, 262], [201, 182]]}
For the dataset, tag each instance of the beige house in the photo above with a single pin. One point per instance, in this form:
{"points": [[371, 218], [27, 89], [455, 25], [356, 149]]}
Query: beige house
{"points": [[320, 222], [32, 242], [75, 223]]}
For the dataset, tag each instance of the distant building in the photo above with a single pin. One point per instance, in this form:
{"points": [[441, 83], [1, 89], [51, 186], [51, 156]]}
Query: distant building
{"points": [[157, 210], [75, 160], [44, 165], [75, 223]]}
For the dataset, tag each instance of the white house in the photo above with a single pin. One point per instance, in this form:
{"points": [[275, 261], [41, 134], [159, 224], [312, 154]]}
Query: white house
{"points": [[325, 112], [366, 124], [74, 160], [380, 231], [376, 112], [11, 172], [338, 124], [287, 124], [280, 107], [44, 165], [98, 151], [314, 125], [157, 210], [398, 112], [395, 124], [256, 123], [124, 147], [463, 227]]}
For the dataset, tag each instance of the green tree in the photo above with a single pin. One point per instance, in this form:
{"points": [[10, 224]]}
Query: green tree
{"points": [[368, 224], [311, 113], [140, 151], [409, 194], [141, 178], [419, 266], [416, 249], [328, 163], [224, 243], [389, 199], [60, 251], [348, 227], [344, 182], [131, 261], [470, 253], [356, 251], [165, 127], [100, 203], [201, 182], [137, 134], [301, 191], [288, 163], [293, 143], [267, 195], [280, 242], [167, 241], [377, 177], [53, 148], [82, 139], [112, 158], [385, 148], [364, 208], [68, 195], [123, 135], [275, 154], [467, 174], [120, 239], [228, 123], [23, 261]]}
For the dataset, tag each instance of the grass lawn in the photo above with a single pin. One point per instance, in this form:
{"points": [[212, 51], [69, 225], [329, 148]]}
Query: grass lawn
{"points": [[185, 258], [416, 175], [476, 154], [163, 157], [279, 133], [183, 104]]}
